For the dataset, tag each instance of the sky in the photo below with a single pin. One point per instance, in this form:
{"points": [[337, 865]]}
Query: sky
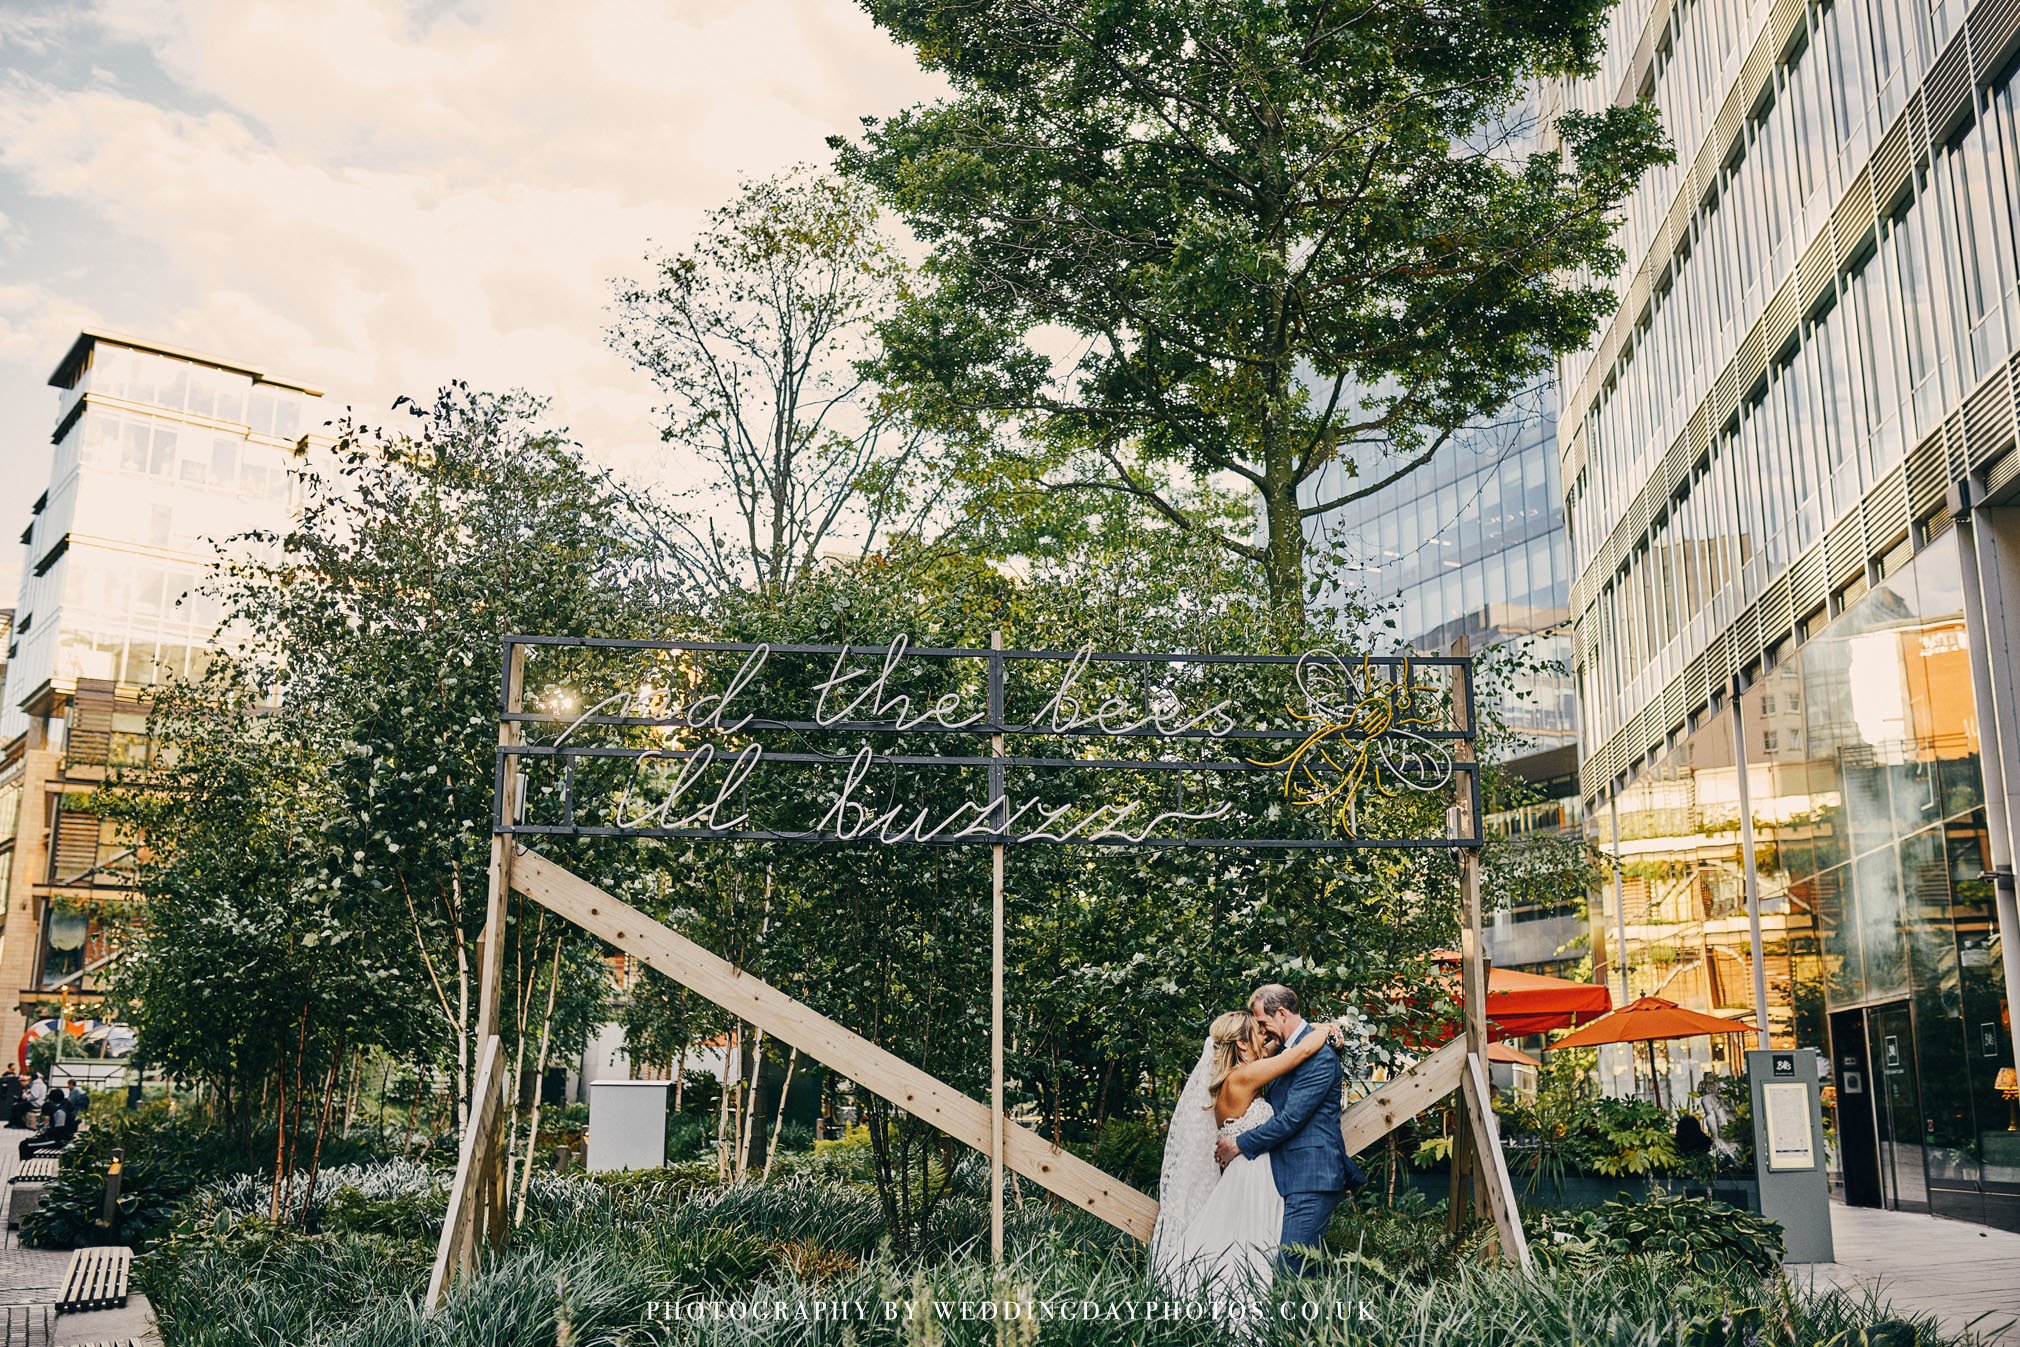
{"points": [[378, 196]]}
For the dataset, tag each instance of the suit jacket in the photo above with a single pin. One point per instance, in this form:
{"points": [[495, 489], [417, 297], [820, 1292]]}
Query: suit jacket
{"points": [[1307, 1154]]}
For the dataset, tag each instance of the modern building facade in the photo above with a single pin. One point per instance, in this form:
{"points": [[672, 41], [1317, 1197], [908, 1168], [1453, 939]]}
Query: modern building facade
{"points": [[1473, 546], [158, 456], [1790, 476]]}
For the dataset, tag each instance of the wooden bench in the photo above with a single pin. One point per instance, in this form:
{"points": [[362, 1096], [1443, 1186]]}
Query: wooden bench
{"points": [[96, 1280], [42, 1169]]}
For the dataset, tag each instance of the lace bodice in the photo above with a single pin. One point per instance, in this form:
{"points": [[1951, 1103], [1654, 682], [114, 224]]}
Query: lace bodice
{"points": [[1259, 1112]]}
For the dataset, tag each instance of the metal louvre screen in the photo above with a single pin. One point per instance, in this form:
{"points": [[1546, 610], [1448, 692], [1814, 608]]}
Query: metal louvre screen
{"points": [[899, 743]]}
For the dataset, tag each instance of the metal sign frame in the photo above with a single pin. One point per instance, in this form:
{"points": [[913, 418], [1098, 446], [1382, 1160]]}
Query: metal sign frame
{"points": [[1369, 730]]}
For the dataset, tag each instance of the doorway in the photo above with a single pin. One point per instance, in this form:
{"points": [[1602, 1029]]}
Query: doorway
{"points": [[1879, 1109]]}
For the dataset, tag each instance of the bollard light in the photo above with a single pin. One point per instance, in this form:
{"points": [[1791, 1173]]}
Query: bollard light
{"points": [[108, 1212]]}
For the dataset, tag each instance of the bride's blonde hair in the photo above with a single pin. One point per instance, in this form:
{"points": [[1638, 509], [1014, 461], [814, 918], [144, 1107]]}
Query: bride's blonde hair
{"points": [[1228, 1032]]}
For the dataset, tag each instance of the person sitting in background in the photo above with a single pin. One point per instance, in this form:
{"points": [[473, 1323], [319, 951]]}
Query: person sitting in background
{"points": [[17, 1109], [1693, 1148], [57, 1128], [10, 1092], [38, 1092], [80, 1102]]}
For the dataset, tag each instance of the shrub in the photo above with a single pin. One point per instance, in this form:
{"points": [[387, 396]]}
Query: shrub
{"points": [[688, 1137], [1132, 1149], [168, 1157], [1694, 1233], [600, 1259], [1625, 1137]]}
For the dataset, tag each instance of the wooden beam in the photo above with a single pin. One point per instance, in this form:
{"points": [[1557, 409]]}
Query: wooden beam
{"points": [[1492, 1164], [491, 944], [1367, 1121], [464, 1224], [798, 1025]]}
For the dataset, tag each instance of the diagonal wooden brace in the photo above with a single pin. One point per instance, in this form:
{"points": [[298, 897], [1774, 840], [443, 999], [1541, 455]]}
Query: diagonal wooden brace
{"points": [[798, 1025]]}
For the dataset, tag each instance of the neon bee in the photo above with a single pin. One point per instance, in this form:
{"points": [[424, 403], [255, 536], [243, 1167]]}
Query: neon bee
{"points": [[1366, 730]]}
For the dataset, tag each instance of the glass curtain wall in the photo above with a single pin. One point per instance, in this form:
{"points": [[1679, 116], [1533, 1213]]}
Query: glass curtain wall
{"points": [[1863, 770]]}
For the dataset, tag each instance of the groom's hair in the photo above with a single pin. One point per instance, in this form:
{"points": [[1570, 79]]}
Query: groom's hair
{"points": [[1272, 997]]}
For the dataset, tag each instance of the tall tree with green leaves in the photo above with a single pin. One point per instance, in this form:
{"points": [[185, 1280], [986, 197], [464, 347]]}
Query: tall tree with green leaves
{"points": [[252, 966], [377, 619], [755, 334], [1280, 236]]}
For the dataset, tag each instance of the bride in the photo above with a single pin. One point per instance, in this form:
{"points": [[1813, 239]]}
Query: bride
{"points": [[1218, 1230]]}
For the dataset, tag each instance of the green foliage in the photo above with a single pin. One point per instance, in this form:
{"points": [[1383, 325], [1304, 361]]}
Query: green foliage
{"points": [[1628, 1136], [688, 1137], [1551, 1126], [596, 1258], [1693, 1234], [167, 1156], [1132, 1149], [1407, 1241], [1571, 1129], [315, 871], [409, 1215], [1290, 239], [1735, 1097], [754, 333]]}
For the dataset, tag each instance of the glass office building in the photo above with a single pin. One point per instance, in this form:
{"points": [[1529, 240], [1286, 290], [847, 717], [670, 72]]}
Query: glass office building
{"points": [[1789, 470], [1473, 545], [157, 456]]}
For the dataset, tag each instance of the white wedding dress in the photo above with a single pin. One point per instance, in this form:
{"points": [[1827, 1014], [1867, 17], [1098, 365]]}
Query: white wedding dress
{"points": [[1225, 1253]]}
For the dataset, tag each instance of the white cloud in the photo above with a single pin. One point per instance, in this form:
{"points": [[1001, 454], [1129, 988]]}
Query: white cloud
{"points": [[377, 198]]}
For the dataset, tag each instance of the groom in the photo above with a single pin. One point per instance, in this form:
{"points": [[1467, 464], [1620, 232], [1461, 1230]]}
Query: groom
{"points": [[1308, 1157]]}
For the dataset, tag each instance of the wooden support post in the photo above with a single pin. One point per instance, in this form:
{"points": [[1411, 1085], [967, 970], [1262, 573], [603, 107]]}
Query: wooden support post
{"points": [[1000, 806], [1468, 1193], [490, 1189], [465, 1226], [1459, 1188], [1492, 1164], [797, 1025], [491, 945]]}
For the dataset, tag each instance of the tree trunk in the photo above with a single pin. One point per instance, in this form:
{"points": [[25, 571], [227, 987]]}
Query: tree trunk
{"points": [[280, 1154], [539, 1083], [722, 1133], [1283, 537], [779, 1121], [749, 1110], [322, 1127], [462, 1022]]}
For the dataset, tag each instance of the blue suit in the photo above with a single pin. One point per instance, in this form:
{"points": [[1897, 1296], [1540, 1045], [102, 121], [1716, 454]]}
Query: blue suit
{"points": [[1307, 1155]]}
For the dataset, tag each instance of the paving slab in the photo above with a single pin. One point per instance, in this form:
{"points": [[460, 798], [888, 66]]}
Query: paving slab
{"points": [[27, 1276], [1967, 1276]]}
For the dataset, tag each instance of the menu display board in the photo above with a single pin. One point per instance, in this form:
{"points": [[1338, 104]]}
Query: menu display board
{"points": [[1787, 1111]]}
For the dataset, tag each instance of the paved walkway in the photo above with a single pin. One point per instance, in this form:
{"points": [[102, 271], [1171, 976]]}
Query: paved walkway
{"points": [[33, 1277], [1967, 1276]]}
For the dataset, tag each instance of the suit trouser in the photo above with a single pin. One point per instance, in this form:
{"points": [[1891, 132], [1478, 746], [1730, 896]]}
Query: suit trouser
{"points": [[1306, 1216]]}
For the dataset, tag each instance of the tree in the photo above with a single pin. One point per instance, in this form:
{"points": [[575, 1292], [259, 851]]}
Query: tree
{"points": [[1283, 235], [754, 334], [378, 618], [252, 966], [1117, 959]]}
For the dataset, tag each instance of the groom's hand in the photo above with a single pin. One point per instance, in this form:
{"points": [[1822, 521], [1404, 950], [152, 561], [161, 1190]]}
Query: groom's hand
{"points": [[1225, 1151]]}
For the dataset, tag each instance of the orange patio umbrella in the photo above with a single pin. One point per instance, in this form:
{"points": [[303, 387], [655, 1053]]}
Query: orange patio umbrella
{"points": [[1509, 1053], [1645, 1021], [1534, 1003]]}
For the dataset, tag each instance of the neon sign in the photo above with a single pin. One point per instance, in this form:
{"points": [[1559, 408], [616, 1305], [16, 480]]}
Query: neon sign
{"points": [[903, 744]]}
